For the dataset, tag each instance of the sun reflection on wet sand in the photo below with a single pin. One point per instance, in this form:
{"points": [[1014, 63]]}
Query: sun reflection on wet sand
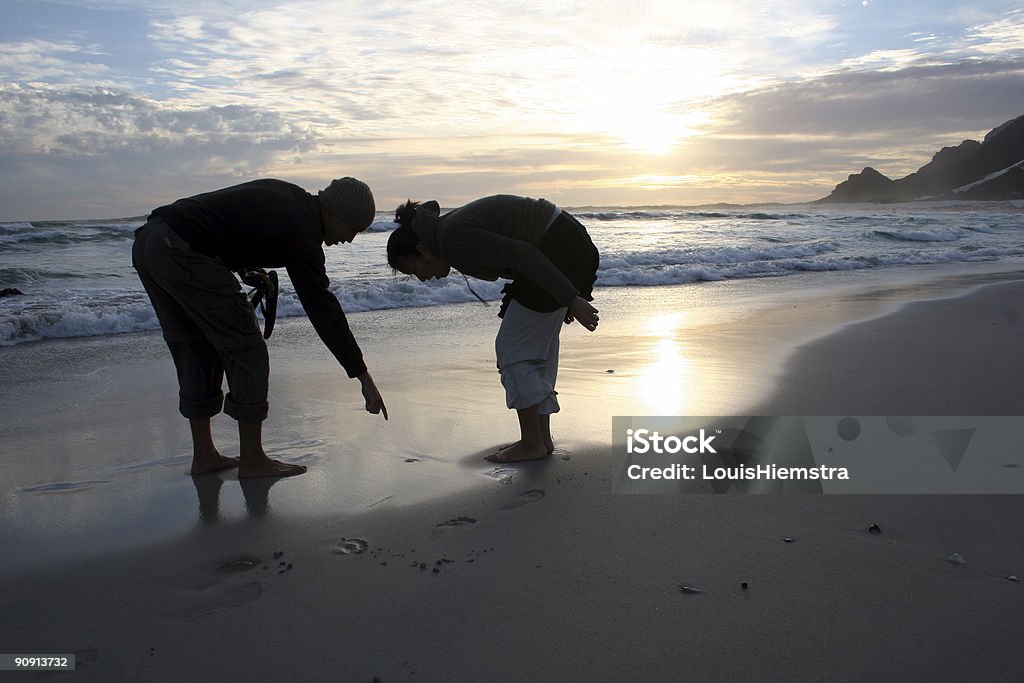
{"points": [[666, 382]]}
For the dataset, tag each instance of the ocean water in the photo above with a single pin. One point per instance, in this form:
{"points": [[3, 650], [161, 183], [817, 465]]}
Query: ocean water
{"points": [[78, 280]]}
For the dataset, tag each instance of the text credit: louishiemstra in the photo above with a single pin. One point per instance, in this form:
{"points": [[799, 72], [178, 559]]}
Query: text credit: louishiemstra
{"points": [[840, 454]]}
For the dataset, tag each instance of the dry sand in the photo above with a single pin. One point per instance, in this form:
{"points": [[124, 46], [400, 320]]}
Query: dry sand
{"points": [[402, 555]]}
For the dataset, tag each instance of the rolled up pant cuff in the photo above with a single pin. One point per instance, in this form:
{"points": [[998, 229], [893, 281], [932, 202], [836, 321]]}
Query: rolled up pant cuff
{"points": [[527, 384], [207, 407], [249, 412]]}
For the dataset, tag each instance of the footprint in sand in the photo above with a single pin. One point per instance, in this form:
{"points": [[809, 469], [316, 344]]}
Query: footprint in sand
{"points": [[86, 656], [351, 546], [175, 462], [240, 564], [64, 486], [225, 589], [458, 521], [218, 600], [504, 474], [524, 498], [303, 444]]}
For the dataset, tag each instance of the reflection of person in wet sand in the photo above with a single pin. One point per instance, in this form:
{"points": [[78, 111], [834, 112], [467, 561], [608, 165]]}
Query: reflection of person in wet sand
{"points": [[255, 490], [185, 255], [552, 263]]}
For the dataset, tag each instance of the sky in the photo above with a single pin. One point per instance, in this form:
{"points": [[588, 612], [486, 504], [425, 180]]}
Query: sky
{"points": [[109, 108]]}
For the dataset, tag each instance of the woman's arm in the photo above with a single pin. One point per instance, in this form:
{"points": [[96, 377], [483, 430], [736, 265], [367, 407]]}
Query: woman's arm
{"points": [[473, 249]]}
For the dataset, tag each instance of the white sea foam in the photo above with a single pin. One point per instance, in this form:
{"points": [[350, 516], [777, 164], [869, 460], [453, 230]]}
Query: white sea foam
{"points": [[78, 280]]}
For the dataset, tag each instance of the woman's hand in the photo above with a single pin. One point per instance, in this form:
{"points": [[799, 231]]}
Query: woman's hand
{"points": [[582, 312], [374, 402]]}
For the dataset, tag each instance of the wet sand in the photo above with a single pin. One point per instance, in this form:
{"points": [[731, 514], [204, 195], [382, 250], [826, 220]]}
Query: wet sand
{"points": [[402, 555]]}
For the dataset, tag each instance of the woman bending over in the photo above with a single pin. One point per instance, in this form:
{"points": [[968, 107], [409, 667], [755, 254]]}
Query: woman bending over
{"points": [[552, 264]]}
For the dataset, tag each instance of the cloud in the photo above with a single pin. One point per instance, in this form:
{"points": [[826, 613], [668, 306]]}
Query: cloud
{"points": [[38, 60], [413, 69], [815, 132], [1001, 37], [941, 97], [449, 98], [41, 118], [111, 141]]}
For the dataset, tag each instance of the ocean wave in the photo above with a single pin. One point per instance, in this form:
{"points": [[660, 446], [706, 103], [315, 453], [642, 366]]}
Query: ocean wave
{"points": [[87, 313], [17, 276], [937, 235], [682, 214], [625, 214], [48, 314], [715, 255], [26, 236], [87, 287], [14, 228], [981, 227], [382, 223], [34, 317]]}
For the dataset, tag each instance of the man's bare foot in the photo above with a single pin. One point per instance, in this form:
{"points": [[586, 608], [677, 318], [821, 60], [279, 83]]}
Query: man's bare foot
{"points": [[550, 445], [519, 452], [216, 463], [269, 468]]}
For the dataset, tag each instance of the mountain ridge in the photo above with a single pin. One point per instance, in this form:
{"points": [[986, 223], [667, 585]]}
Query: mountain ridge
{"points": [[990, 170]]}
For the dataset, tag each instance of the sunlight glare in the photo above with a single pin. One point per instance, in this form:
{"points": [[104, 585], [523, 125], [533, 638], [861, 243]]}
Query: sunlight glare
{"points": [[665, 379], [649, 96]]}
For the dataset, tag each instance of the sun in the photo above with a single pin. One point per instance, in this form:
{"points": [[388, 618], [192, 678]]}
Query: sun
{"points": [[651, 132], [655, 131], [645, 115], [648, 96]]}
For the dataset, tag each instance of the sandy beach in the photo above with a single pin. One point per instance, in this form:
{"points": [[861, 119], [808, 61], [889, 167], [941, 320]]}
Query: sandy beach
{"points": [[403, 555]]}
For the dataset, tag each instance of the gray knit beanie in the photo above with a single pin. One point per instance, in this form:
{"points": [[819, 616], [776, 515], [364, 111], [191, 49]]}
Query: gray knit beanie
{"points": [[349, 200]]}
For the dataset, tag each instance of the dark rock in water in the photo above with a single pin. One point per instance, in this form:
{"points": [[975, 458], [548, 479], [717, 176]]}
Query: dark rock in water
{"points": [[874, 529], [11, 291]]}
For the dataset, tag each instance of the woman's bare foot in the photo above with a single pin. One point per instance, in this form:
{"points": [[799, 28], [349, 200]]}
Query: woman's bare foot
{"points": [[213, 463], [520, 452], [268, 467]]}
